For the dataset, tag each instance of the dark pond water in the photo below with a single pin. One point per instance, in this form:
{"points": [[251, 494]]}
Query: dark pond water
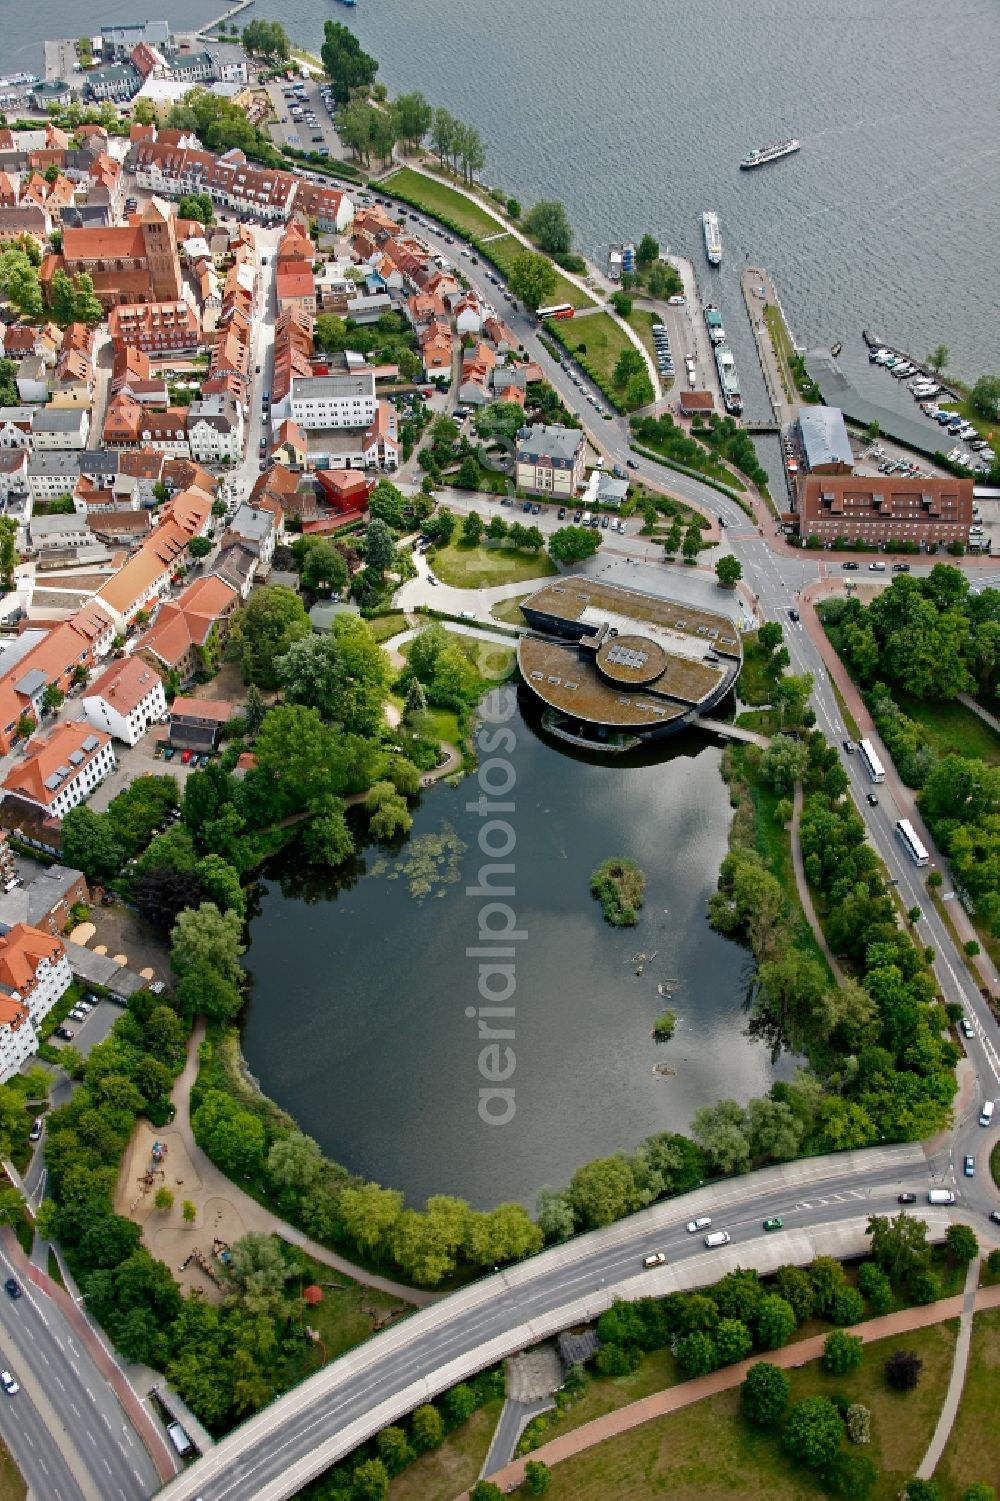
{"points": [[359, 1026]]}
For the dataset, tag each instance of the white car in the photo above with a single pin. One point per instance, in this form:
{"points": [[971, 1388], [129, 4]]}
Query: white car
{"points": [[8, 1383], [702, 1223]]}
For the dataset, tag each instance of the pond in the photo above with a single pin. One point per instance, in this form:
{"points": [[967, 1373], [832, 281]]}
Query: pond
{"points": [[367, 1020]]}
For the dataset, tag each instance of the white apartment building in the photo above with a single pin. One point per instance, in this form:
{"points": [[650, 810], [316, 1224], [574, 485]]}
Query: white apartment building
{"points": [[322, 401], [61, 769], [126, 700]]}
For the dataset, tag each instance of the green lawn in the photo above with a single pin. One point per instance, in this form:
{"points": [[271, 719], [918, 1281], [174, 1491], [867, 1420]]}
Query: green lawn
{"points": [[952, 728], [466, 567], [642, 322], [502, 252], [782, 346], [509, 610], [988, 430], [346, 1317], [493, 662], [972, 1452], [441, 1475], [596, 341], [383, 627], [707, 1453], [12, 1486], [757, 678], [438, 198]]}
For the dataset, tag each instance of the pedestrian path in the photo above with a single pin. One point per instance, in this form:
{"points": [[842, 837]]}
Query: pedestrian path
{"points": [[802, 887], [214, 1185], [676, 1398], [956, 1383], [976, 708]]}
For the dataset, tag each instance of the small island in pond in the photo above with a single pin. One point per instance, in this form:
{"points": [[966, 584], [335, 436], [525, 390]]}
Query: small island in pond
{"points": [[619, 886], [663, 1027]]}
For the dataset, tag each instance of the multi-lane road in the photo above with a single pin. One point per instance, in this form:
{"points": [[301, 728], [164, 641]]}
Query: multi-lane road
{"points": [[824, 1203]]}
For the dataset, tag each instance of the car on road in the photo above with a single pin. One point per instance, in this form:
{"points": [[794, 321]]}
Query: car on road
{"points": [[774, 1223], [968, 1030], [12, 1287], [431, 579], [64, 1033], [995, 1216], [906, 1198], [871, 798], [900, 567], [717, 1238], [604, 522], [849, 567], [969, 1165], [793, 614], [848, 747], [631, 464], [8, 1383], [37, 1126], [655, 1258], [703, 1222]]}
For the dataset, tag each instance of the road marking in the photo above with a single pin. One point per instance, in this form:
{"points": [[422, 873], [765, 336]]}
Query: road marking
{"points": [[60, 1383]]}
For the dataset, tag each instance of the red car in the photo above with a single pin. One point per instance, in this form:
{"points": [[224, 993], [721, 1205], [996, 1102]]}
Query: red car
{"points": [[186, 756]]}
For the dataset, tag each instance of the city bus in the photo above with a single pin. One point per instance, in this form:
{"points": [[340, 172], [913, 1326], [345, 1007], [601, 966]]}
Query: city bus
{"points": [[911, 843], [557, 310], [873, 765]]}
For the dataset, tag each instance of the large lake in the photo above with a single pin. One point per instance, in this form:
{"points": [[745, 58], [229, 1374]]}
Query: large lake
{"points": [[358, 1020], [637, 116]]}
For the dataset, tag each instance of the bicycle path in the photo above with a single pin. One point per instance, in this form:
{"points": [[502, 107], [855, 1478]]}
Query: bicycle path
{"points": [[676, 1398]]}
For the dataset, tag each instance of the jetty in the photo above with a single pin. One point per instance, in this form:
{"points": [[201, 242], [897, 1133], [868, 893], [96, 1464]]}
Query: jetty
{"points": [[729, 731], [227, 15]]}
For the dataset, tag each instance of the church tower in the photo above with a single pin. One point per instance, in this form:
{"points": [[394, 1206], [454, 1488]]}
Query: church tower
{"points": [[160, 241]]}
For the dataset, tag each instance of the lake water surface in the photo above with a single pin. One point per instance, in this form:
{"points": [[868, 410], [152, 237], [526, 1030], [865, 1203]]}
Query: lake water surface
{"points": [[358, 1020]]}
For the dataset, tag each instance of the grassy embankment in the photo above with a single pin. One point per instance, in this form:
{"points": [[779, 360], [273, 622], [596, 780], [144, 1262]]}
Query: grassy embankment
{"points": [[473, 223], [479, 567], [641, 321], [971, 1454], [951, 728], [794, 375], [596, 342], [708, 1452]]}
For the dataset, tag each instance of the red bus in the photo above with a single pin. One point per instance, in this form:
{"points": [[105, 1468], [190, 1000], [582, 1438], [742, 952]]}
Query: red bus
{"points": [[557, 310]]}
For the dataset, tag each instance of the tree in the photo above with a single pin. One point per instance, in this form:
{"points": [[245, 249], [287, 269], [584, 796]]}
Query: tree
{"points": [[196, 206], [394, 1449], [189, 1211], [414, 117], [630, 362], [199, 547], [813, 1431], [485, 1490], [330, 334], [571, 544], [380, 553], [554, 1213], [532, 279], [902, 1370], [692, 543], [979, 1491], [859, 1423], [19, 279], [426, 1428], [732, 1341], [62, 300], [841, 1353], [415, 703], [258, 1275], [722, 1132], [647, 250], [729, 570], [89, 844], [86, 304], [207, 938], [264, 629], [938, 358], [922, 1490], [603, 1191], [639, 391], [267, 39], [8, 552], [537, 1477], [327, 839], [347, 66], [548, 224], [388, 813], [370, 1215], [985, 397], [472, 527], [764, 1394], [369, 1479], [899, 1245], [876, 1287], [697, 1354], [961, 1244], [233, 1138], [505, 1233], [163, 1199], [294, 1163], [775, 1322]]}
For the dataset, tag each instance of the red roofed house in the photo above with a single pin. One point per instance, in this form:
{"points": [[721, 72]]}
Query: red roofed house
{"points": [[190, 631], [128, 263], [126, 700], [295, 286], [345, 489], [383, 435], [34, 975], [61, 769]]}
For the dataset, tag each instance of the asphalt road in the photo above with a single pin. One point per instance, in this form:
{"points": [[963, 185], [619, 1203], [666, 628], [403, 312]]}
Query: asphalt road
{"points": [[65, 1427], [824, 1204]]}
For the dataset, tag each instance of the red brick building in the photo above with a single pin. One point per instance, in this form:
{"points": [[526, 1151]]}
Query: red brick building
{"points": [[884, 508]]}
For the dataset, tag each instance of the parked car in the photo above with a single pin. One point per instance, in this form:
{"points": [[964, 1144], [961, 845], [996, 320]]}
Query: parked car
{"points": [[64, 1033], [186, 757]]}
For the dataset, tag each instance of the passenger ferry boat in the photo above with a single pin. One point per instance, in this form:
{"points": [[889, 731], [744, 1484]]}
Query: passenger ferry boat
{"points": [[765, 154], [713, 239]]}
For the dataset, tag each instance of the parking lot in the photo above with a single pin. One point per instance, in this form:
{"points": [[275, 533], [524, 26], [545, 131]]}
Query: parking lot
{"points": [[87, 1034], [301, 134]]}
